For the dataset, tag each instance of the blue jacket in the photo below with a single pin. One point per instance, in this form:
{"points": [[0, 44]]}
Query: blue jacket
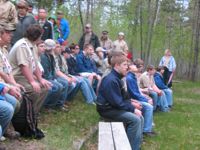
{"points": [[133, 89], [159, 81], [85, 64], [110, 93], [48, 63], [65, 29], [1, 90]]}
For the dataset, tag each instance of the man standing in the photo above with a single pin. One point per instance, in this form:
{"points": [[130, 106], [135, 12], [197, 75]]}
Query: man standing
{"points": [[63, 27], [105, 42], [89, 38], [120, 44], [42, 21], [24, 19], [112, 104]]}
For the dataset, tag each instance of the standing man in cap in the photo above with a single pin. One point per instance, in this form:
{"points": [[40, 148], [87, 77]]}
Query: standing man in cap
{"points": [[46, 25], [120, 44], [89, 38], [105, 42], [24, 19], [63, 27]]}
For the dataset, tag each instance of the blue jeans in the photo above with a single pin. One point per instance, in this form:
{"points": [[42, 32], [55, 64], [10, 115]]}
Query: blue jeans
{"points": [[6, 114], [54, 94], [162, 103], [154, 97], [147, 112], [134, 125], [0, 131], [64, 92], [73, 90], [168, 93], [11, 99], [86, 89]]}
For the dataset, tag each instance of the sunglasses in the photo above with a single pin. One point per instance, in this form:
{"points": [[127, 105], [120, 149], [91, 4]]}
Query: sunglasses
{"points": [[87, 27]]}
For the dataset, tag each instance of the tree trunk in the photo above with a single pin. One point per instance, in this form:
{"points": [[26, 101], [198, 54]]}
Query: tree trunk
{"points": [[150, 31], [87, 12], [141, 32], [196, 42], [80, 15]]}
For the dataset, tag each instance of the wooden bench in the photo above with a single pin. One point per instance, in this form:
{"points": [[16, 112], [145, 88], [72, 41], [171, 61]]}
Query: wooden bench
{"points": [[112, 136]]}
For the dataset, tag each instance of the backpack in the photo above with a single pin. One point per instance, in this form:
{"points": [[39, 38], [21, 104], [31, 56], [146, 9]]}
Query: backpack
{"points": [[25, 121]]}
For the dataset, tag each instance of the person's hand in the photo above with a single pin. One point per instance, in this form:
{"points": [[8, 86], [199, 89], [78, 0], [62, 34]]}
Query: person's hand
{"points": [[136, 104], [101, 55], [70, 80], [36, 86], [73, 79], [21, 87], [15, 91], [46, 84], [138, 113], [160, 93], [150, 101], [5, 90]]}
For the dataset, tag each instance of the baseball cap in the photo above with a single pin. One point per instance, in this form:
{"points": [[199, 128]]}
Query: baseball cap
{"points": [[50, 44]]}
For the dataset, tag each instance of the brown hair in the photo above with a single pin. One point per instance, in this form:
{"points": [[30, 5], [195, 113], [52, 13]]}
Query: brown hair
{"points": [[159, 68], [119, 59], [150, 67], [33, 32], [87, 46], [114, 53], [138, 62]]}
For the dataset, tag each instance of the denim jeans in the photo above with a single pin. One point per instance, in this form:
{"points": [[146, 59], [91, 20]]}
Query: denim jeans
{"points": [[86, 89], [168, 93], [6, 114], [73, 90], [0, 131], [147, 112], [64, 93], [154, 97], [134, 125], [162, 103], [54, 94], [11, 99]]}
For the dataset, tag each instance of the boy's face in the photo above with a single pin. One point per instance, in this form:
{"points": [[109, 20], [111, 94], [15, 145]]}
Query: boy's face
{"points": [[122, 68]]}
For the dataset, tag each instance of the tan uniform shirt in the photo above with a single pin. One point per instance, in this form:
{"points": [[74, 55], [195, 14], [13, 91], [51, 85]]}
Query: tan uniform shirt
{"points": [[146, 81], [107, 44], [19, 55], [8, 12], [120, 46]]}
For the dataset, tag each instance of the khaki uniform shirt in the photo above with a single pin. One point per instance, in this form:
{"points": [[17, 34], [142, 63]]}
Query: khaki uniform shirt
{"points": [[8, 12], [19, 55], [61, 64], [120, 46], [146, 81], [107, 44]]}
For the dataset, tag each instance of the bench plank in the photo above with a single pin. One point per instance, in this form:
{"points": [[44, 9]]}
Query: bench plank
{"points": [[120, 137], [105, 136]]}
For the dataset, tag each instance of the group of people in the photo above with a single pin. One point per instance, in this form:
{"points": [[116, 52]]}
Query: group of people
{"points": [[36, 59]]}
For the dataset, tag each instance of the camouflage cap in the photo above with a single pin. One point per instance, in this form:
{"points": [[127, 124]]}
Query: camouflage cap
{"points": [[7, 26]]}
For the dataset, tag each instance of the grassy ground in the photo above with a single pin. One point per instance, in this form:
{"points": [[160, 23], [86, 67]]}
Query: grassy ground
{"points": [[177, 130]]}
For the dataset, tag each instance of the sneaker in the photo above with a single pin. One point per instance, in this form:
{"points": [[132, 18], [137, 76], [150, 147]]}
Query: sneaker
{"points": [[62, 108], [150, 134], [2, 139]]}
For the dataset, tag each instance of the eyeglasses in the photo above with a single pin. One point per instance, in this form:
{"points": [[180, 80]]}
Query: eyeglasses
{"points": [[77, 48], [87, 27]]}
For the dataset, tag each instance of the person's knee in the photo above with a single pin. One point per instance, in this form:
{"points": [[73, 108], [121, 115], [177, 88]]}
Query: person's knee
{"points": [[7, 110]]}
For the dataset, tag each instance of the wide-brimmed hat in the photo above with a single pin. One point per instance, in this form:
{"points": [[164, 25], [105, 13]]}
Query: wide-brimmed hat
{"points": [[121, 33]]}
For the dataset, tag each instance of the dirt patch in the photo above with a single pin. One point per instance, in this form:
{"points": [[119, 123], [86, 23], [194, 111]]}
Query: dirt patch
{"points": [[22, 144]]}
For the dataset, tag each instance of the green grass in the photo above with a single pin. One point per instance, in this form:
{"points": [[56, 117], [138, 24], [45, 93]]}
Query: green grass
{"points": [[177, 130]]}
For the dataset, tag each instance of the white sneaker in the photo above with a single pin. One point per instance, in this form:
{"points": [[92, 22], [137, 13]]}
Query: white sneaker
{"points": [[2, 139]]}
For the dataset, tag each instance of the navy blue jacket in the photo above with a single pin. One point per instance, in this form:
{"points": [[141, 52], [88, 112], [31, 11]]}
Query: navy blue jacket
{"points": [[110, 93], [85, 64], [133, 89], [159, 81], [1, 90], [48, 63], [72, 66]]}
